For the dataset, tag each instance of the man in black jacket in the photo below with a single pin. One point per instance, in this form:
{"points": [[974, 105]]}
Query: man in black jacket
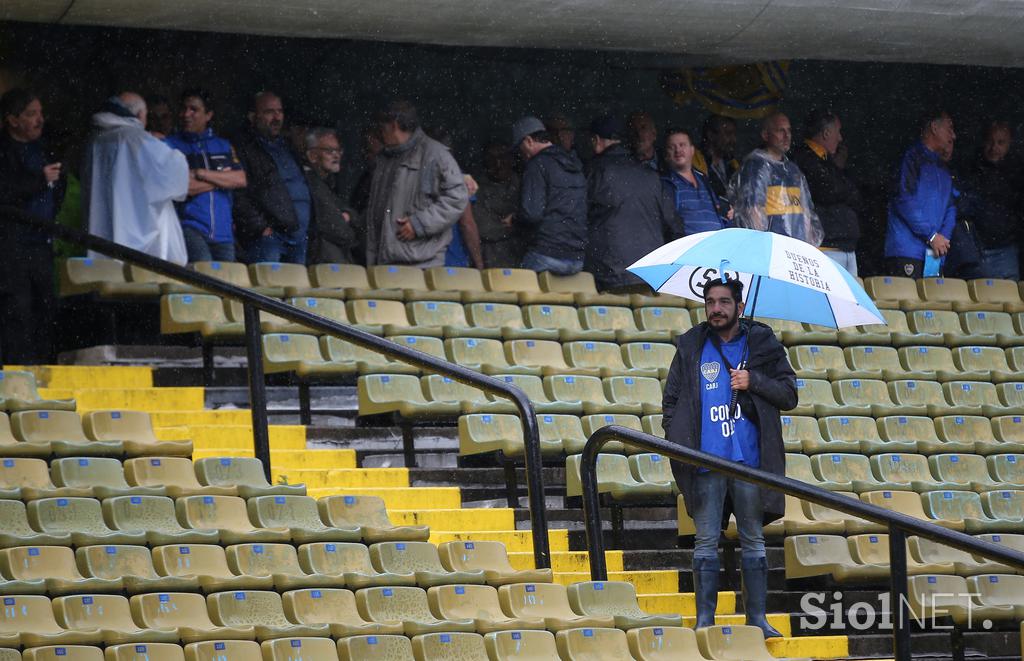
{"points": [[715, 360], [553, 201], [835, 195], [32, 181], [630, 213]]}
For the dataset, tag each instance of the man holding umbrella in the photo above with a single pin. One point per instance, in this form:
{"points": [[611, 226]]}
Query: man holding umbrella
{"points": [[728, 382]]}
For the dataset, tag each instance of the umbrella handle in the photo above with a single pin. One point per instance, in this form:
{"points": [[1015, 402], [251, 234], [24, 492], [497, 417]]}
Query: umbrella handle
{"points": [[735, 394]]}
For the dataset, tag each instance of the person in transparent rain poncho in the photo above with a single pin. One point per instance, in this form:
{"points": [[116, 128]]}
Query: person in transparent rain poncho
{"points": [[769, 193]]}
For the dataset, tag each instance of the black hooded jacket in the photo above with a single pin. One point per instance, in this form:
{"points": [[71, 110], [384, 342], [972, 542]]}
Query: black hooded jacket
{"points": [[553, 204], [772, 389]]}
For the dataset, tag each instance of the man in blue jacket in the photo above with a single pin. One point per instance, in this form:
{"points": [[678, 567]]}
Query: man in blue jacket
{"points": [[922, 211], [214, 171]]}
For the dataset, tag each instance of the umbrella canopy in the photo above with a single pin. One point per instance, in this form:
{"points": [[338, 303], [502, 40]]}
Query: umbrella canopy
{"points": [[783, 278]]}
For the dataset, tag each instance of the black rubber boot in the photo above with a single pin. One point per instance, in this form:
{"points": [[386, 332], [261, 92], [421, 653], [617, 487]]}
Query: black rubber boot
{"points": [[705, 588], [755, 594]]}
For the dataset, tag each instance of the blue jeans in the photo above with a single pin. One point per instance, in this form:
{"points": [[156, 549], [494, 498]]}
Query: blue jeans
{"points": [[711, 489], [201, 250], [535, 261], [278, 247], [1002, 263], [848, 260]]}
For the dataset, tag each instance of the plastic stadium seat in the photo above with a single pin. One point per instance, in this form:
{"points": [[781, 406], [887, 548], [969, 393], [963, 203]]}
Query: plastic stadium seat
{"points": [[874, 549], [261, 610], [645, 391], [652, 468], [290, 279], [145, 652], [801, 433], [549, 601], [55, 566], [940, 595], [111, 615], [223, 650], [816, 398], [1007, 506], [508, 319], [450, 318], [566, 321], [727, 642], [156, 517], [287, 352], [901, 293], [926, 394], [605, 357], [1009, 431], [591, 423], [621, 321], [176, 474], [583, 288], [649, 356], [63, 431], [528, 645], [524, 282], [874, 334], [871, 362], [915, 433], [946, 325], [351, 279], [329, 308], [1000, 292], [104, 477], [966, 506], [335, 608], [444, 389], [985, 360], [197, 313], [420, 559], [933, 363], [206, 563], [366, 361], [185, 612], [872, 394], [289, 649], [675, 321], [663, 644], [408, 279], [467, 282], [383, 317], [963, 563], [490, 558], [817, 555], [409, 606], [802, 517], [236, 274], [278, 561], [848, 472], [11, 446], [302, 518], [1011, 396], [370, 514], [953, 291], [135, 431], [374, 648], [989, 324], [615, 478], [859, 431], [17, 531], [590, 392], [478, 603], [19, 392], [32, 618], [999, 590], [351, 561], [484, 355], [978, 396], [428, 345], [617, 599], [1007, 469], [29, 479], [245, 473], [534, 389], [965, 429], [967, 471], [106, 277], [908, 470], [581, 644], [484, 432], [227, 515], [909, 503], [62, 653], [652, 424], [798, 467], [82, 518], [132, 565], [401, 394], [811, 361], [564, 429]]}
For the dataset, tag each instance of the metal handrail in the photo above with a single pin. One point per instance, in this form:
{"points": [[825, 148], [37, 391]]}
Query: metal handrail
{"points": [[899, 525], [253, 302]]}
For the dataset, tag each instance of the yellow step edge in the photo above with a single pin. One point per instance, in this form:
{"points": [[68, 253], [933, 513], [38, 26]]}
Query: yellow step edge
{"points": [[205, 453], [466, 520], [778, 620], [568, 561], [684, 604], [330, 482], [514, 540], [282, 437], [655, 581], [182, 433], [814, 647], [311, 459], [400, 498], [233, 417], [130, 399], [71, 377]]}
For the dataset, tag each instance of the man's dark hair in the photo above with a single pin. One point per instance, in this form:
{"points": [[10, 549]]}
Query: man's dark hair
{"points": [[713, 125], [259, 95], [198, 93], [931, 115], [818, 120], [734, 286], [14, 101], [673, 130], [541, 136], [402, 112], [993, 125]]}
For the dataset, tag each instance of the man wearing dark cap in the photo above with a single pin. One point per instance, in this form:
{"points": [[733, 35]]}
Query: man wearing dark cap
{"points": [[552, 203], [629, 212]]}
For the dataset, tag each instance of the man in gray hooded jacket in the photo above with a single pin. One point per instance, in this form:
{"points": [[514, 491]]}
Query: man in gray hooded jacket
{"points": [[416, 196]]}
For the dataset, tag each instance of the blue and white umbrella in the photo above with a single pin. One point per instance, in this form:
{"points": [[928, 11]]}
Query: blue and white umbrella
{"points": [[783, 278]]}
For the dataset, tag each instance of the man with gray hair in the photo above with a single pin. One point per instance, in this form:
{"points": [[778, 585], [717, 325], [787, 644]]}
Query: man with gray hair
{"points": [[331, 235], [130, 181]]}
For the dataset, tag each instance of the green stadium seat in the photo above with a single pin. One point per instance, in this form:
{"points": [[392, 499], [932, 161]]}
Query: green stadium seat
{"points": [[11, 446], [649, 356], [31, 618], [484, 355], [374, 648], [953, 291], [663, 644], [382, 317], [985, 360], [62, 430], [237, 274], [860, 432], [1009, 431], [549, 601], [734, 642], [1007, 469], [223, 650], [508, 319], [999, 591], [651, 424], [367, 361], [104, 477], [870, 361], [803, 433], [111, 615], [401, 394], [564, 429], [492, 559], [812, 361], [581, 644], [208, 564], [421, 559], [370, 514], [350, 561], [916, 434], [674, 320], [997, 324], [605, 357], [933, 596], [947, 325], [621, 321], [198, 313], [176, 474], [966, 506], [410, 280], [636, 390], [82, 518], [534, 389], [52, 567], [19, 392], [874, 548], [652, 468], [909, 503], [927, 394], [428, 345], [870, 394], [145, 652], [18, 532], [409, 606], [816, 398], [450, 318], [617, 599], [964, 564], [246, 474], [967, 471], [566, 320], [524, 283], [156, 517], [583, 288], [798, 467], [334, 607], [260, 609], [444, 389], [228, 516], [478, 603], [133, 565], [485, 432], [970, 428], [467, 282], [331, 309], [908, 470], [350, 280], [29, 479], [980, 396], [820, 555], [185, 612], [299, 514], [590, 392], [898, 293], [1007, 506], [443, 646], [847, 472], [933, 364], [528, 645], [546, 356], [591, 423], [289, 649], [615, 478], [135, 431], [1000, 292], [280, 562]]}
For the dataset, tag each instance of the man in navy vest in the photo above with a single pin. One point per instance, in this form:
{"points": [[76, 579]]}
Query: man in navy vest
{"points": [[720, 358]]}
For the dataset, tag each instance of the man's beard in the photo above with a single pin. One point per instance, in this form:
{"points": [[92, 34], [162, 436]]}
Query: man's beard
{"points": [[721, 324]]}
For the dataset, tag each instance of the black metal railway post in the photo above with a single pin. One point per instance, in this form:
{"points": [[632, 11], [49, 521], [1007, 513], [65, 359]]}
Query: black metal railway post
{"points": [[899, 607], [257, 388]]}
